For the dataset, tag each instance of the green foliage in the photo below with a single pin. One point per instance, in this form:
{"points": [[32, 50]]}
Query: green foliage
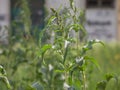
{"points": [[3, 77], [108, 59], [105, 84], [25, 17], [63, 62], [64, 45]]}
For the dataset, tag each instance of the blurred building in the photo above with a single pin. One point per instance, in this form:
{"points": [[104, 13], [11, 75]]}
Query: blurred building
{"points": [[36, 11], [4, 20], [102, 16], [10, 11]]}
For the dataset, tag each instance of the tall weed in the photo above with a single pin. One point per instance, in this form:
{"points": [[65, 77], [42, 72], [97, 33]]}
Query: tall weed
{"points": [[59, 61]]}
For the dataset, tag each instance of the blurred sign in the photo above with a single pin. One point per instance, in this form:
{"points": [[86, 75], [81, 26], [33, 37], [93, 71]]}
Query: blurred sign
{"points": [[101, 24]]}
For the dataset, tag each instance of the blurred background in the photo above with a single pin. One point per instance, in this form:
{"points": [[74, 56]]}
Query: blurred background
{"points": [[102, 16]]}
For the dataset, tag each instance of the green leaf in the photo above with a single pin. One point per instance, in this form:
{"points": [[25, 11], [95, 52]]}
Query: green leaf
{"points": [[53, 10], [70, 78], [28, 87], [51, 20], [78, 27], [45, 48], [109, 76], [65, 53], [3, 77], [61, 66], [101, 85], [97, 41], [89, 45], [59, 71], [2, 70], [71, 3], [93, 61]]}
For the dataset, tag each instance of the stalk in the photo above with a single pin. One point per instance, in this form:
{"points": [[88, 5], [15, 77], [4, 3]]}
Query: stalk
{"points": [[77, 43], [84, 80]]}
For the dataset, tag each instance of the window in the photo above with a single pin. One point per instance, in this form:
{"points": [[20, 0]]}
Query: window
{"points": [[91, 3], [108, 3], [100, 3]]}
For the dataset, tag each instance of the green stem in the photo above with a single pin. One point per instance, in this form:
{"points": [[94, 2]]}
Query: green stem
{"points": [[84, 81], [77, 42]]}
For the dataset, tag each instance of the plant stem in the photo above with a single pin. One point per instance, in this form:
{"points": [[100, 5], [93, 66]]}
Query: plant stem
{"points": [[84, 80], [77, 37]]}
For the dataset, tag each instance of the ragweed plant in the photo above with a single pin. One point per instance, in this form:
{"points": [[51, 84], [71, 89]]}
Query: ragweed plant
{"points": [[70, 60]]}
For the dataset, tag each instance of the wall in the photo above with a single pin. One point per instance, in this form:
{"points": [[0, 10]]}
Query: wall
{"points": [[63, 3], [4, 20], [118, 19], [101, 21], [56, 4], [101, 24]]}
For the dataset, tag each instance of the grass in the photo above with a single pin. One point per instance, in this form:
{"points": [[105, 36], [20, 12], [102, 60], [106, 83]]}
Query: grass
{"points": [[107, 57], [109, 61]]}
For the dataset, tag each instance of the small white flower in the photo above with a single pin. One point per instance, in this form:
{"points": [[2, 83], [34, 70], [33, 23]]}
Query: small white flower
{"points": [[97, 40], [62, 77], [53, 46], [66, 43], [66, 86], [58, 51], [1, 66], [78, 59], [85, 46], [50, 67]]}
